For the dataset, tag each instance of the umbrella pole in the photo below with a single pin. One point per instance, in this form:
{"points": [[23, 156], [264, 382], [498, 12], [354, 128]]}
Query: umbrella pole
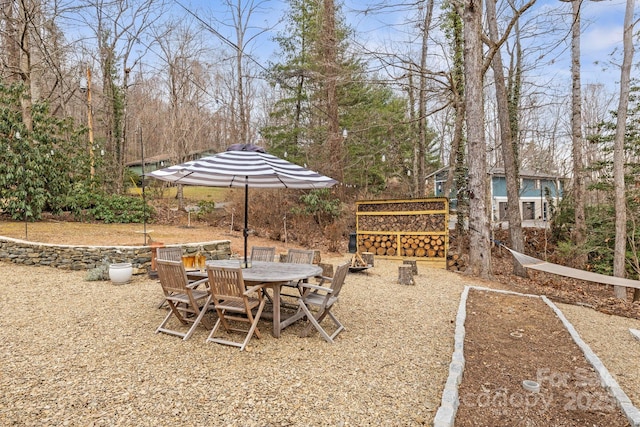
{"points": [[245, 232]]}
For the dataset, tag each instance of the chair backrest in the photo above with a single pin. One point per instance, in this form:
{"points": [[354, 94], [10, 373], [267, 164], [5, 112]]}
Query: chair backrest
{"points": [[260, 253], [338, 278], [171, 253], [226, 283], [300, 256], [172, 275]]}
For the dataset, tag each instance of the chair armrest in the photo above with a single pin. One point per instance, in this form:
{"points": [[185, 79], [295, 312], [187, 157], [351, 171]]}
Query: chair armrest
{"points": [[323, 279], [197, 283], [252, 289], [316, 287]]}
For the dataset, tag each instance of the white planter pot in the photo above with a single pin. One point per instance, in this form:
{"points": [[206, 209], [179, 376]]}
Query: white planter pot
{"points": [[120, 273]]}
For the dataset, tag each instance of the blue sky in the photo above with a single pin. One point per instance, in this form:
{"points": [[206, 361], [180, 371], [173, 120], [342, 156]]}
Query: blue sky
{"points": [[601, 21]]}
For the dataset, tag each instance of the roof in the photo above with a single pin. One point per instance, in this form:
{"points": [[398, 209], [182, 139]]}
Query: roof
{"points": [[500, 172], [166, 157], [526, 174]]}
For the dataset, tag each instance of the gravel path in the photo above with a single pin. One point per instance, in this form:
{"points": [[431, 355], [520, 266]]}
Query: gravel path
{"points": [[84, 353]]}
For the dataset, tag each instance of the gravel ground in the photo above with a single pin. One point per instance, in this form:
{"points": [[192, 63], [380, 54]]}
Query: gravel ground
{"points": [[84, 353], [610, 339]]}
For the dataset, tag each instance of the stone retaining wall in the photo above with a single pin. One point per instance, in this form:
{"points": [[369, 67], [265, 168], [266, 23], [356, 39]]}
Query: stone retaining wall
{"points": [[70, 257]]}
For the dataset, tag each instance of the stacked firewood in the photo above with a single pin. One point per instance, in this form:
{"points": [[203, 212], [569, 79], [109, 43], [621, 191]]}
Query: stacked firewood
{"points": [[379, 244], [406, 223], [423, 205], [421, 245], [411, 245], [456, 262]]}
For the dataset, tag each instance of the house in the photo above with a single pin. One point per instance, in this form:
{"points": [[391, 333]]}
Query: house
{"points": [[162, 161], [537, 191]]}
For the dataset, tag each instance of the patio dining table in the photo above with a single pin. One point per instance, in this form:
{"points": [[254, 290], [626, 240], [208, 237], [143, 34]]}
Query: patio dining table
{"points": [[272, 275]]}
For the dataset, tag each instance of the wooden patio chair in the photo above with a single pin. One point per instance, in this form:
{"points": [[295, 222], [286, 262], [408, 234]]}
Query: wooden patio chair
{"points": [[169, 253], [300, 256], [234, 304], [317, 300], [186, 304], [261, 253], [296, 256]]}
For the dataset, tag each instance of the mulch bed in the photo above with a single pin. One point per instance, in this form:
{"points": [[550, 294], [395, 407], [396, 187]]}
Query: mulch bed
{"points": [[510, 339]]}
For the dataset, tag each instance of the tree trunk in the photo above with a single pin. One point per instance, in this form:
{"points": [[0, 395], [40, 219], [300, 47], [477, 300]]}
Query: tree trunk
{"points": [[579, 187], [457, 171], [507, 143], [25, 66], [619, 256], [421, 151], [240, 89], [329, 52], [479, 252], [10, 41]]}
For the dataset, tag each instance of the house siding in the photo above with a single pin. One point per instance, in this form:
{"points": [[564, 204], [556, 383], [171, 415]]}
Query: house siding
{"points": [[535, 193]]}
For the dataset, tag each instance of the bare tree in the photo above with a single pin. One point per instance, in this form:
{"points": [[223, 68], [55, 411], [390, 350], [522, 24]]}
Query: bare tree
{"points": [[579, 234], [507, 141], [420, 152], [19, 29], [186, 80], [240, 81], [457, 159], [329, 56], [119, 27], [479, 249], [619, 257]]}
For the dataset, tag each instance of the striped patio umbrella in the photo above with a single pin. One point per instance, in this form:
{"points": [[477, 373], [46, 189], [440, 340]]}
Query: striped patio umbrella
{"points": [[243, 165]]}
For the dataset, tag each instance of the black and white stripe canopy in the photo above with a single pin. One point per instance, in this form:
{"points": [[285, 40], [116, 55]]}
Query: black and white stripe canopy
{"points": [[241, 168], [245, 166]]}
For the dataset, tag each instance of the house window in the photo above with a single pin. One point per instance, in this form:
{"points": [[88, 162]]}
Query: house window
{"points": [[537, 184]]}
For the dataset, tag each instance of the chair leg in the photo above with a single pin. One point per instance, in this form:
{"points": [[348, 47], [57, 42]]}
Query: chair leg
{"points": [[222, 320], [196, 322], [172, 310], [161, 328], [267, 296], [300, 314], [213, 331], [249, 333], [254, 324], [338, 324], [315, 323]]}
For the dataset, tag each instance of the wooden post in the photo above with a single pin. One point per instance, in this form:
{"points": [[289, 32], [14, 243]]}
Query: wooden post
{"points": [[368, 258], [413, 264], [405, 275]]}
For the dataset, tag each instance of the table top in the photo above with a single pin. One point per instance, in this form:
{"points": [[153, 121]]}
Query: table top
{"points": [[262, 271]]}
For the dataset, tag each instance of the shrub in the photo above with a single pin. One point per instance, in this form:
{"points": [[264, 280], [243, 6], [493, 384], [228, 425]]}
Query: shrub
{"points": [[321, 205], [120, 209]]}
